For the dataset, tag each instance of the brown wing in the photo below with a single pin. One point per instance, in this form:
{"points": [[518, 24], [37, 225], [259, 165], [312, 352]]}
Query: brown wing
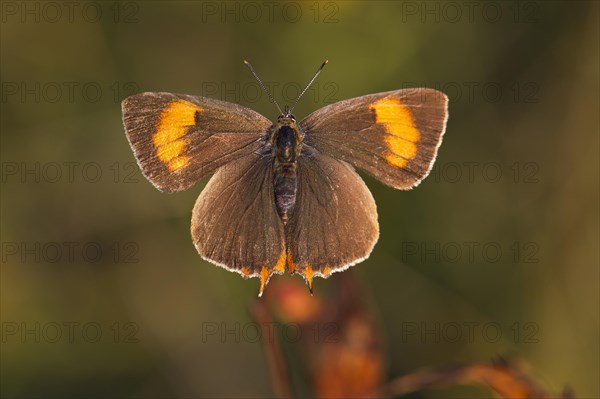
{"points": [[235, 223], [334, 222], [178, 139], [394, 136]]}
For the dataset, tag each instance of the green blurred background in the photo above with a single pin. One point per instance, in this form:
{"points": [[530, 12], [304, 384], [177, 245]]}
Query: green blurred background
{"points": [[517, 171]]}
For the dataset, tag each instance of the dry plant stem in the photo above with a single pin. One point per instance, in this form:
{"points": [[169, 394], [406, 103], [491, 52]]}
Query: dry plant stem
{"points": [[413, 382], [279, 375], [508, 382]]}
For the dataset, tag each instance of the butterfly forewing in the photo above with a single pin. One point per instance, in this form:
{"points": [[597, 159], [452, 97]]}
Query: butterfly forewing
{"points": [[393, 136], [178, 139]]}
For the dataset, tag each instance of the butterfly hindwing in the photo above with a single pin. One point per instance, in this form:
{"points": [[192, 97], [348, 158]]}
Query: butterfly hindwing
{"points": [[394, 136], [178, 139], [334, 222], [235, 223]]}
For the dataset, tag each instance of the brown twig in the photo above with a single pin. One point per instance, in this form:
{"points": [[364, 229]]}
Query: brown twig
{"points": [[507, 379], [414, 382], [273, 354]]}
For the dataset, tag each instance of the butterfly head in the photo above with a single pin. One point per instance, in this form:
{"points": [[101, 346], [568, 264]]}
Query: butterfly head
{"points": [[286, 118]]}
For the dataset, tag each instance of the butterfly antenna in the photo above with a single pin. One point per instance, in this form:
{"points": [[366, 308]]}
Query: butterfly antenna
{"points": [[309, 83], [263, 86]]}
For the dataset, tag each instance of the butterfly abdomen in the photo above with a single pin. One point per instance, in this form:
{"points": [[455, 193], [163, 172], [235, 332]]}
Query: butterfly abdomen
{"points": [[285, 195], [284, 181]]}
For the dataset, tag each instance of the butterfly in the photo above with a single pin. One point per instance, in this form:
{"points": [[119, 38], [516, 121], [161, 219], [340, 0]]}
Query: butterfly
{"points": [[285, 195]]}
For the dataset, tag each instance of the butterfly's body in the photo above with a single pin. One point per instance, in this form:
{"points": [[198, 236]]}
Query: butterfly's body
{"points": [[285, 195], [286, 148]]}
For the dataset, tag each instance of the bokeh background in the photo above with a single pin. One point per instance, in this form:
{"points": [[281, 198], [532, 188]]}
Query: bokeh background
{"points": [[102, 291]]}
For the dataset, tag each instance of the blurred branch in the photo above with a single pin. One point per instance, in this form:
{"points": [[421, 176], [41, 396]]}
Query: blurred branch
{"points": [[506, 378], [348, 362], [281, 382]]}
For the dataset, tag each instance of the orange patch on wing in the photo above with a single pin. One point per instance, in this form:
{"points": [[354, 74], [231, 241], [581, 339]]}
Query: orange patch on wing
{"points": [[399, 124], [291, 265], [169, 138], [246, 271], [326, 271], [307, 271], [280, 266], [265, 273], [308, 275]]}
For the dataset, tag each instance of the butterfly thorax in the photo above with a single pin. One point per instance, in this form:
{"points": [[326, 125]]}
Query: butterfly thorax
{"points": [[287, 142]]}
